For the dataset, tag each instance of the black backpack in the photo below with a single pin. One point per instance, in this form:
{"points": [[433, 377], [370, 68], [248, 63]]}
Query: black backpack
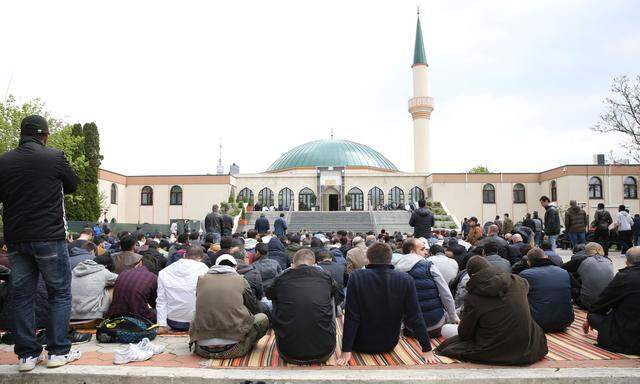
{"points": [[128, 328]]}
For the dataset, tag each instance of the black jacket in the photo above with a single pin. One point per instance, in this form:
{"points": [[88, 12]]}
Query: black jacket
{"points": [[227, 225], [213, 223], [378, 299], [422, 220], [262, 225], [337, 272], [252, 275], [619, 303], [551, 220], [33, 182], [303, 317]]}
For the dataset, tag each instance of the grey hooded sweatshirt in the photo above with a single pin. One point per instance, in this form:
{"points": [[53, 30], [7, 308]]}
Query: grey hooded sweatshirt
{"points": [[90, 282]]}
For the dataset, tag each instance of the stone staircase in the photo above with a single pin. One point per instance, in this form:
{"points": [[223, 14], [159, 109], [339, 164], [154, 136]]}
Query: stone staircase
{"points": [[253, 216], [331, 221]]}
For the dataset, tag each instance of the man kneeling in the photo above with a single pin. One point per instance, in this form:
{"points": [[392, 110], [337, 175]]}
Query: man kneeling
{"points": [[303, 311], [226, 323]]}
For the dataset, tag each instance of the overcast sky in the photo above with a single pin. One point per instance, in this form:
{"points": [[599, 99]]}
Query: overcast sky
{"points": [[517, 84]]}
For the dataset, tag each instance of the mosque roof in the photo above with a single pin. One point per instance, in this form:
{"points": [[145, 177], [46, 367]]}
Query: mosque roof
{"points": [[331, 153]]}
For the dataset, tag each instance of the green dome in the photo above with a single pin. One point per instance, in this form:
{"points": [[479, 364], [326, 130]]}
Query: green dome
{"points": [[331, 153]]}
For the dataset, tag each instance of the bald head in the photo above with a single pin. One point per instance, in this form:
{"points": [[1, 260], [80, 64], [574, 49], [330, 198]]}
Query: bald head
{"points": [[493, 230], [633, 256], [517, 238]]}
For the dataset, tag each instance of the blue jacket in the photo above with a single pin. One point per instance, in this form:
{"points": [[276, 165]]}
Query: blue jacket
{"points": [[549, 295], [278, 253], [428, 296], [338, 257], [280, 226], [262, 225]]}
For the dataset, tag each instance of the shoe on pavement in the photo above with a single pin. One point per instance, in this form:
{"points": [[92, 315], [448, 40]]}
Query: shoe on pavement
{"points": [[145, 344], [131, 354], [56, 361], [27, 364], [76, 337]]}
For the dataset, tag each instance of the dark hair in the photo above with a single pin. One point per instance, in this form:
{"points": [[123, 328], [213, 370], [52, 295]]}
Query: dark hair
{"points": [[164, 244], [225, 242], [408, 246], [490, 248], [545, 198], [323, 255], [140, 236], [107, 261], [252, 233], [89, 247], [546, 245], [453, 233], [262, 249], [600, 205], [622, 208], [208, 238], [436, 249], [316, 243], [282, 215], [86, 231], [183, 238], [422, 203], [379, 253], [506, 215], [194, 235], [127, 243]]}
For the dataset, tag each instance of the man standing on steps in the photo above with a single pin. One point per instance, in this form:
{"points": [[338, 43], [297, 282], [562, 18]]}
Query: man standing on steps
{"points": [[551, 221], [34, 180], [422, 220], [280, 226], [213, 224]]}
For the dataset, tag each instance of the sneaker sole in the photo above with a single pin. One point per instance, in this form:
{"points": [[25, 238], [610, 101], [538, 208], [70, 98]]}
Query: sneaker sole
{"points": [[25, 369], [59, 363]]}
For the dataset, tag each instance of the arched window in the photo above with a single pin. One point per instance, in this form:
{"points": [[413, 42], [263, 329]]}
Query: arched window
{"points": [[285, 199], [630, 188], [554, 191], [519, 194], [146, 196], [265, 197], [357, 199], [306, 199], [245, 195], [376, 198], [396, 196], [489, 194], [416, 194], [114, 194], [175, 195], [595, 188]]}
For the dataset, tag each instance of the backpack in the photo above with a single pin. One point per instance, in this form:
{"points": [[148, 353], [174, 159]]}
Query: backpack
{"points": [[128, 328]]}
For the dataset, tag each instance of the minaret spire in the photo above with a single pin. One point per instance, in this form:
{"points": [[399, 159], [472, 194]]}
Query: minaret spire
{"points": [[220, 168], [419, 57]]}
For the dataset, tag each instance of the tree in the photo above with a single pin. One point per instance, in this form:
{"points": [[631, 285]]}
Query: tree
{"points": [[622, 113], [479, 169]]}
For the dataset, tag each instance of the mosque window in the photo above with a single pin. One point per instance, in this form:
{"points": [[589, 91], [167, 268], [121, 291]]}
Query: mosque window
{"points": [[114, 194], [595, 188], [416, 194], [396, 196], [175, 195], [519, 195], [306, 199], [285, 199], [245, 195], [357, 199], [630, 188], [489, 194], [554, 191], [146, 196], [376, 198], [265, 197]]}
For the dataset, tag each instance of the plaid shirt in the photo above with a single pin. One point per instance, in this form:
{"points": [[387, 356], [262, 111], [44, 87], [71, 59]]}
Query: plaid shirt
{"points": [[135, 292]]}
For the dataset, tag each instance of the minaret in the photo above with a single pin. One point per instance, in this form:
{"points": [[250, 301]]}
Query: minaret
{"points": [[420, 106], [220, 168]]}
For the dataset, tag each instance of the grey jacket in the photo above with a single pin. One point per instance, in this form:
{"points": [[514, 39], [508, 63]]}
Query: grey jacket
{"points": [[90, 282]]}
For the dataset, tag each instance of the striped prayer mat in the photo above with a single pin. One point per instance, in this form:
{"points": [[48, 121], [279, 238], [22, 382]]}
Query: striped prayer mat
{"points": [[571, 345]]}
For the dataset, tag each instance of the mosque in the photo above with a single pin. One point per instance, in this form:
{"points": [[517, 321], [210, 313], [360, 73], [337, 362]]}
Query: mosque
{"points": [[330, 175]]}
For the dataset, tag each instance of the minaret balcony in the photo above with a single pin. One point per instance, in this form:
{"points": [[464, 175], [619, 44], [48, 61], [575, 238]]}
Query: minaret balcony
{"points": [[421, 107]]}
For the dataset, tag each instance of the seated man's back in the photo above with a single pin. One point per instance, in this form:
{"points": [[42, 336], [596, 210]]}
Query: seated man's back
{"points": [[135, 292], [595, 272], [549, 292], [303, 311], [89, 295]]}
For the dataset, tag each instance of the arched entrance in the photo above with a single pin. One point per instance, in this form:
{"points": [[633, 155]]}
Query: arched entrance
{"points": [[330, 199]]}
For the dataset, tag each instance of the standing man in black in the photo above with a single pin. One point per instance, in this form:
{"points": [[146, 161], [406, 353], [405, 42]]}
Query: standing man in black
{"points": [[213, 224], [34, 180], [422, 220]]}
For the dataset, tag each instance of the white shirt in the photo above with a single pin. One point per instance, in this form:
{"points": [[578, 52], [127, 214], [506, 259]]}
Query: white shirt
{"points": [[447, 266], [624, 221], [177, 291]]}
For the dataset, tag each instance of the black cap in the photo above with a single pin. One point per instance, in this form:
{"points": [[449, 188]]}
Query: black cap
{"points": [[34, 125]]}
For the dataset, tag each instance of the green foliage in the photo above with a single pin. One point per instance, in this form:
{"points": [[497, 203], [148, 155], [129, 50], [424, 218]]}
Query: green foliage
{"points": [[479, 169], [347, 199], [241, 205], [224, 206], [243, 214], [232, 199], [81, 145]]}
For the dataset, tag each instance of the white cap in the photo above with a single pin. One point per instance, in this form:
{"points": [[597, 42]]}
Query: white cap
{"points": [[226, 257]]}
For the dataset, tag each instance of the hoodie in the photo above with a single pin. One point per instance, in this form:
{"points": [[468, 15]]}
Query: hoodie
{"points": [[177, 291], [625, 222], [90, 282], [78, 255], [278, 253], [422, 220]]}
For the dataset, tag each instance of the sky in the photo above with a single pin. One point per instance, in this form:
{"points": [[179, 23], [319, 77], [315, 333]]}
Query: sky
{"points": [[517, 84]]}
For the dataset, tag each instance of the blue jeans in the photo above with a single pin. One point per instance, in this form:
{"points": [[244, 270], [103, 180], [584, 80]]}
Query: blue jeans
{"points": [[552, 240], [216, 237], [28, 260], [577, 238], [538, 239], [636, 239]]}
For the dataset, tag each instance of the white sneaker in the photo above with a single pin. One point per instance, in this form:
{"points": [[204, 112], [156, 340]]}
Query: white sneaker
{"points": [[145, 344], [27, 364], [56, 361], [132, 353]]}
